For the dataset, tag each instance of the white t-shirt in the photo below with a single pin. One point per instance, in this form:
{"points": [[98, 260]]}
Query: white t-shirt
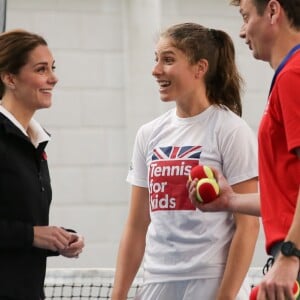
{"points": [[182, 242]]}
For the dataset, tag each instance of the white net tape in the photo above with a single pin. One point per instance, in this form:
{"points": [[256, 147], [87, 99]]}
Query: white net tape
{"points": [[97, 283]]}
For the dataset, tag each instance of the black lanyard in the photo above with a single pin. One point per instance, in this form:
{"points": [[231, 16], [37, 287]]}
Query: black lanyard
{"points": [[283, 63]]}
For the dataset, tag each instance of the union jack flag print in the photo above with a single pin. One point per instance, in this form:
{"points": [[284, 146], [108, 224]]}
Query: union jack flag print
{"points": [[174, 152]]}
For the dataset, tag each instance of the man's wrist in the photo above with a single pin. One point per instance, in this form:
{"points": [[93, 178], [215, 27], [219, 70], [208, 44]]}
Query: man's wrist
{"points": [[289, 249]]}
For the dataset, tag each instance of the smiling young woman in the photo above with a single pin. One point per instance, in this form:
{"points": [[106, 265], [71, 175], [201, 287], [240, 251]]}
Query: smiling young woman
{"points": [[188, 254], [28, 85], [27, 80]]}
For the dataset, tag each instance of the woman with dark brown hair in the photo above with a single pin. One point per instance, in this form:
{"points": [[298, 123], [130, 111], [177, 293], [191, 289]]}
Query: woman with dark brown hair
{"points": [[188, 254], [27, 81]]}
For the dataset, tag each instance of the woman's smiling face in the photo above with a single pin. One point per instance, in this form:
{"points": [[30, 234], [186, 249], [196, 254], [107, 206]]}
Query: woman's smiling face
{"points": [[173, 72], [36, 79]]}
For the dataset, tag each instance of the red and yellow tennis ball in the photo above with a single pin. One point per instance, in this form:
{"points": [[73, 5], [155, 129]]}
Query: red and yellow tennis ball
{"points": [[296, 291], [200, 172], [207, 188], [253, 294]]}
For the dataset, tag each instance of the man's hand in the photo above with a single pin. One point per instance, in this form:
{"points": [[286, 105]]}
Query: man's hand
{"points": [[278, 282], [221, 203]]}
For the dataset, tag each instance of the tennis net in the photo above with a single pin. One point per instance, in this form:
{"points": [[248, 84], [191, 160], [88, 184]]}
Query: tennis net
{"points": [[96, 283]]}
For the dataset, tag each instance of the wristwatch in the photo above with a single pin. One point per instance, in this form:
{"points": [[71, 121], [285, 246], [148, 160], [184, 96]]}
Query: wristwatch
{"points": [[289, 249]]}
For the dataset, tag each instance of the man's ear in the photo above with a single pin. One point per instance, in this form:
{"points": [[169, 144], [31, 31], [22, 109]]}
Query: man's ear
{"points": [[273, 10]]}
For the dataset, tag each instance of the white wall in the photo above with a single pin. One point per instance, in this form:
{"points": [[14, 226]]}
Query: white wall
{"points": [[104, 55]]}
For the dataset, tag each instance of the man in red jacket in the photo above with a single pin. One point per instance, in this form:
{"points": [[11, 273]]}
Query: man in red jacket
{"points": [[271, 29]]}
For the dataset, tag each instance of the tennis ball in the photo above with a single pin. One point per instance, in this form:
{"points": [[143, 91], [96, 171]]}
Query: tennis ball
{"points": [[296, 291], [200, 172], [207, 190], [253, 294]]}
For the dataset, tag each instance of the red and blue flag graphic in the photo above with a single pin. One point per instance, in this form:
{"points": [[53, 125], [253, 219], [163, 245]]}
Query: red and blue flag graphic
{"points": [[173, 152]]}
